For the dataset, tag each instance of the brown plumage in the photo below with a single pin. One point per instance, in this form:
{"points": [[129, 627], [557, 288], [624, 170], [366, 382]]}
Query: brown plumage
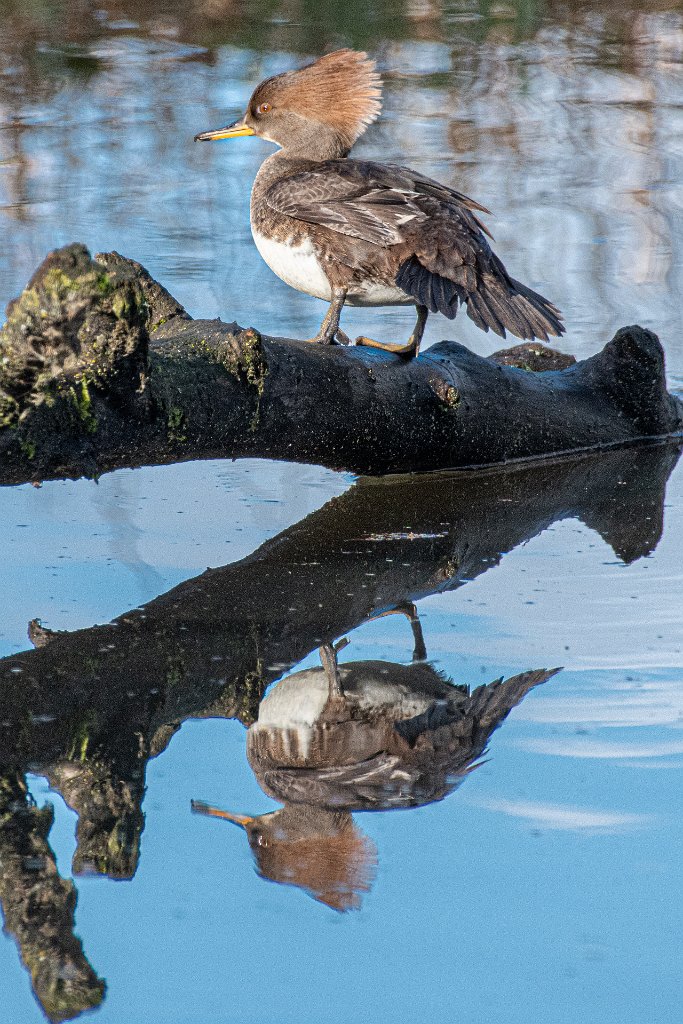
{"points": [[365, 233], [316, 849], [364, 736], [345, 75], [395, 735]]}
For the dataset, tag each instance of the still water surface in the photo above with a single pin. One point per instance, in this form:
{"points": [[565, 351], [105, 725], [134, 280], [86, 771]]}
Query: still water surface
{"points": [[547, 887]]}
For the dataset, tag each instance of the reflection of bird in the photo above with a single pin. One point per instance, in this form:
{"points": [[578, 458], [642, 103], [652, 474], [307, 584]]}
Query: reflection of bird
{"points": [[367, 735], [312, 847], [374, 735], [365, 233]]}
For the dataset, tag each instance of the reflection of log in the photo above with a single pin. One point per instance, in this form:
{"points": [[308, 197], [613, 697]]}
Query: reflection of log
{"points": [[89, 708], [39, 907], [83, 391], [107, 797], [212, 644]]}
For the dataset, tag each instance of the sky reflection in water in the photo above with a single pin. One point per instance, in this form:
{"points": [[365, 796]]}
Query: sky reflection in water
{"points": [[546, 888]]}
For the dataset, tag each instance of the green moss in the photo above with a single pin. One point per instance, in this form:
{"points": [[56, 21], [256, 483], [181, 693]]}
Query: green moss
{"points": [[79, 394], [121, 306], [252, 360], [59, 283], [251, 365], [28, 448], [175, 671], [80, 740], [104, 284], [9, 411], [175, 423], [452, 397]]}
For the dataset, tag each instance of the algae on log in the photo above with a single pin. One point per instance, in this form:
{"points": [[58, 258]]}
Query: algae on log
{"points": [[101, 368]]}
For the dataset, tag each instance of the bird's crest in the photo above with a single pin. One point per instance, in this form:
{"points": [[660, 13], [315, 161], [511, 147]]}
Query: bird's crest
{"points": [[341, 89]]}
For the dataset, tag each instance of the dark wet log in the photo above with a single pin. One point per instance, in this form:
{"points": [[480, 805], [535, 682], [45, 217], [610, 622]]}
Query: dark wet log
{"points": [[101, 368]]}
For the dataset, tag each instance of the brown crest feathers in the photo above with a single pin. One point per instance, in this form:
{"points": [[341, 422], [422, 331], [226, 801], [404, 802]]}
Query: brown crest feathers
{"points": [[334, 869], [342, 90]]}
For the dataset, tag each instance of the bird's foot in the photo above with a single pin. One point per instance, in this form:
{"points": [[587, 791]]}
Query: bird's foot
{"points": [[325, 338], [410, 349]]}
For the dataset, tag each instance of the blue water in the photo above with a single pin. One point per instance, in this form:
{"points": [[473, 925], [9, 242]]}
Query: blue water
{"points": [[547, 888]]}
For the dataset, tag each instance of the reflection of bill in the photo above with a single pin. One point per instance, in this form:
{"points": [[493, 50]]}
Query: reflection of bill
{"points": [[363, 736]]}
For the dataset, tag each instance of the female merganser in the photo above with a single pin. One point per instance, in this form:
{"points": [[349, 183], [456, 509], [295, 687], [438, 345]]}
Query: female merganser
{"points": [[364, 736], [365, 233]]}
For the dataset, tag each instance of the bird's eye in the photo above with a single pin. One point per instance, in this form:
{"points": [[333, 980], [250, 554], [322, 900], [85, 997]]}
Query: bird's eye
{"points": [[264, 108]]}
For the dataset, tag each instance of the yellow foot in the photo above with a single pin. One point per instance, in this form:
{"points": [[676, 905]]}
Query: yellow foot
{"points": [[409, 349]]}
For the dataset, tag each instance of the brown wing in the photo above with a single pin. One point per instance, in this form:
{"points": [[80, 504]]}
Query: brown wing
{"points": [[445, 258], [429, 757], [380, 203]]}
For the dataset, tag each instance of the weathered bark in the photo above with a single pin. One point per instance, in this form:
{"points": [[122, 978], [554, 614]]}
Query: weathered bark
{"points": [[101, 368]]}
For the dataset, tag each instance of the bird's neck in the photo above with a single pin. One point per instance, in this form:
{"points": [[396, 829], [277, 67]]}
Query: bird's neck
{"points": [[280, 165]]}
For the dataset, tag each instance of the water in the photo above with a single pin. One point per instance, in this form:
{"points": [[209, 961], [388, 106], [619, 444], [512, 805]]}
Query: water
{"points": [[545, 888]]}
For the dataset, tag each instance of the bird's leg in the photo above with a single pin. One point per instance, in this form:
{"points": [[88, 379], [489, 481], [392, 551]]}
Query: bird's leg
{"points": [[410, 611], [328, 660], [412, 346], [419, 647], [329, 328]]}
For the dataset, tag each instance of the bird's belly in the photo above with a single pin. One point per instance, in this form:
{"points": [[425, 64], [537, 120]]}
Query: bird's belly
{"points": [[297, 265], [378, 293]]}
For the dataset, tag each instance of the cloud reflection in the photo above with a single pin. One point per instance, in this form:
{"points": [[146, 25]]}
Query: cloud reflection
{"points": [[596, 748], [560, 817], [641, 704]]}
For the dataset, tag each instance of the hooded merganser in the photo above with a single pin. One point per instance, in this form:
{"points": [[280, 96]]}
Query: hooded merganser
{"points": [[365, 233], [364, 736]]}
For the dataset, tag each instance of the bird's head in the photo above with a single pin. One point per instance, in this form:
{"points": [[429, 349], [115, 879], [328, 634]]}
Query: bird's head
{"points": [[317, 112], [316, 849]]}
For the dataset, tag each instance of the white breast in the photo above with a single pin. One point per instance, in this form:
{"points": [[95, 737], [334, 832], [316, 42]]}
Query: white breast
{"points": [[298, 700], [297, 265]]}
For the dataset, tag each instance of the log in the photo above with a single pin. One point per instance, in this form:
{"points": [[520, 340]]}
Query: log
{"points": [[100, 368]]}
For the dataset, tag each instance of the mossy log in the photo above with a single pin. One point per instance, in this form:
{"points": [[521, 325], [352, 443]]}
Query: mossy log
{"points": [[100, 368]]}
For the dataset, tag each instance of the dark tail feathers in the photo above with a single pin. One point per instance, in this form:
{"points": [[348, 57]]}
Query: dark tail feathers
{"points": [[499, 303]]}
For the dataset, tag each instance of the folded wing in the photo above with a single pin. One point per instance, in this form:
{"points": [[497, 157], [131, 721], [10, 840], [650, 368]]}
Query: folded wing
{"points": [[443, 258]]}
